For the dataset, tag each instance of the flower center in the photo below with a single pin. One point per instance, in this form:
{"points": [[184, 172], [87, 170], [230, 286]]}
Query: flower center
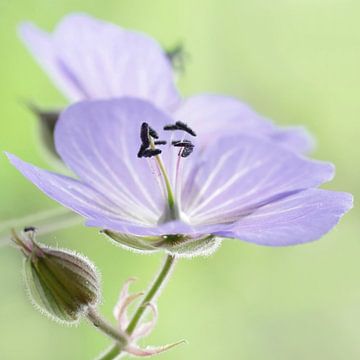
{"points": [[149, 140]]}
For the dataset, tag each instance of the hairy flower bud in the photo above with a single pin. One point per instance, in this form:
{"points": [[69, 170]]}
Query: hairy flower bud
{"points": [[62, 284]]}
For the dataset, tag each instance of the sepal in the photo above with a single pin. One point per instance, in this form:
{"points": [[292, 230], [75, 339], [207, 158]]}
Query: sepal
{"points": [[133, 242], [178, 245]]}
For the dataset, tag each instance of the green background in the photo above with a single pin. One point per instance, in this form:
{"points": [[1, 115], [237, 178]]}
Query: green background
{"points": [[296, 62]]}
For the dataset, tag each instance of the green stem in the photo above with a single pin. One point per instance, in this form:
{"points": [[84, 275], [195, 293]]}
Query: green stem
{"points": [[99, 322], [46, 222], [33, 218], [154, 290], [68, 220], [111, 353]]}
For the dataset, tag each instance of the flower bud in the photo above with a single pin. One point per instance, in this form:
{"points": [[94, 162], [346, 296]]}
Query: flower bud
{"points": [[62, 284]]}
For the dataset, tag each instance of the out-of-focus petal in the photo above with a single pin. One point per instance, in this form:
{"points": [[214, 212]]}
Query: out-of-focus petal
{"points": [[93, 59], [296, 219], [212, 116], [41, 46], [296, 138]]}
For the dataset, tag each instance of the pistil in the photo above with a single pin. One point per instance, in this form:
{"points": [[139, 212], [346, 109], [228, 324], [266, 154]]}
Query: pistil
{"points": [[173, 214]]}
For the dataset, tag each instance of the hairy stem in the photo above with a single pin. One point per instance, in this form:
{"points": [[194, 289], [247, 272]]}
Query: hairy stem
{"points": [[150, 295], [152, 292], [100, 323]]}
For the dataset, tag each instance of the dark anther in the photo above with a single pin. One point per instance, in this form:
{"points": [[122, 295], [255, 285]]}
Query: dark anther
{"points": [[141, 151], [179, 125], [160, 142], [187, 151], [29, 228], [183, 143], [144, 135], [183, 126], [151, 152], [171, 127], [153, 133]]}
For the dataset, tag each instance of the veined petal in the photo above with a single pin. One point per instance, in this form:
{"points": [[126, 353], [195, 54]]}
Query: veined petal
{"points": [[239, 173], [93, 59], [99, 141], [71, 193], [212, 116], [300, 218]]}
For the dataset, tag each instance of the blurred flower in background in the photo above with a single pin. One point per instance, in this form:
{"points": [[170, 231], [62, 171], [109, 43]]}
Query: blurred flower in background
{"points": [[92, 59]]}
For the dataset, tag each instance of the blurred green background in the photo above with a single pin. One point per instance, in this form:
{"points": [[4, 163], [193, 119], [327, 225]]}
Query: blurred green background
{"points": [[296, 62]]}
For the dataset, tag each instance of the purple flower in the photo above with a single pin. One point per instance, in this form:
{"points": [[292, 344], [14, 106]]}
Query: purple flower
{"points": [[91, 59], [242, 186]]}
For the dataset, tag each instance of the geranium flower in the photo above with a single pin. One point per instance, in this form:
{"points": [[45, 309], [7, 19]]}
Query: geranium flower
{"points": [[92, 59], [177, 196]]}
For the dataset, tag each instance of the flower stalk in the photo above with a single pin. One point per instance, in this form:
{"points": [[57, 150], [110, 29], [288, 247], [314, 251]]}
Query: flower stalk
{"points": [[150, 295], [99, 322], [47, 221]]}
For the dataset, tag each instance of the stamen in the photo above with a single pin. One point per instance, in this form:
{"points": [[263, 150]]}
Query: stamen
{"points": [[183, 143], [186, 145], [153, 133], [151, 152], [170, 127], [179, 125], [144, 135], [160, 142], [140, 154], [187, 151], [183, 126], [178, 178], [148, 150]]}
